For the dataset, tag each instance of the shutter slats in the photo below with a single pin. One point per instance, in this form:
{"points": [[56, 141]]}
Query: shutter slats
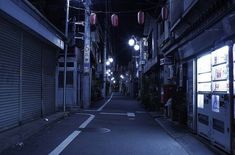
{"points": [[9, 75], [38, 76], [31, 79]]}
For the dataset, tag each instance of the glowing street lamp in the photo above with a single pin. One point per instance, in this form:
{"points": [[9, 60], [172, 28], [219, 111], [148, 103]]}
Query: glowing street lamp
{"points": [[110, 60], [131, 42], [107, 63], [136, 47]]}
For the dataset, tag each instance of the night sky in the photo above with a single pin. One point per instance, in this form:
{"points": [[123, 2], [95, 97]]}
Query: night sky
{"points": [[127, 11]]}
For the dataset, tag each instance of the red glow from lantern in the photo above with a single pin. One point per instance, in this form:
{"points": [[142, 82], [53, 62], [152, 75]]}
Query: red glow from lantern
{"points": [[114, 20], [164, 13], [140, 17], [93, 19]]}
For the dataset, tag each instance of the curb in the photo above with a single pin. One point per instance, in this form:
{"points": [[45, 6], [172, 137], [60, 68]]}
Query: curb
{"points": [[16, 136], [208, 145]]}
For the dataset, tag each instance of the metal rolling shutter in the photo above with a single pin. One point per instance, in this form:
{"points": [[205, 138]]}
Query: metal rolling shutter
{"points": [[48, 89], [9, 75], [31, 79]]}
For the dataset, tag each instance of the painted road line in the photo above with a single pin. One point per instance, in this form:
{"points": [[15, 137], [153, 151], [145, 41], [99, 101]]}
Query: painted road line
{"points": [[101, 108], [65, 143], [110, 113], [72, 136], [84, 124], [131, 114]]}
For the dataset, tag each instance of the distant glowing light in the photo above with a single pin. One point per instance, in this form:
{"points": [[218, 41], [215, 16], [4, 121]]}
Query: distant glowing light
{"points": [[107, 63], [110, 60]]}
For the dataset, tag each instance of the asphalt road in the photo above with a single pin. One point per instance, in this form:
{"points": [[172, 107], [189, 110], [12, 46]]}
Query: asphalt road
{"points": [[121, 127]]}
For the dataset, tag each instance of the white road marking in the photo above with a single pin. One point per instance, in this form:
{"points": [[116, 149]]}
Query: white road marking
{"points": [[131, 114], [72, 136], [110, 113], [84, 124], [101, 108], [65, 143]]}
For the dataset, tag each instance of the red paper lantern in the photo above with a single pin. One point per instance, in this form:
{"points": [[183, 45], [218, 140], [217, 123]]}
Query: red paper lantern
{"points": [[93, 19], [140, 17], [114, 20], [164, 13]]}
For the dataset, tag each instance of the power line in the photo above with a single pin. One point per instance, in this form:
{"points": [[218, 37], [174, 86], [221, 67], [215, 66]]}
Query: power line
{"points": [[116, 12]]}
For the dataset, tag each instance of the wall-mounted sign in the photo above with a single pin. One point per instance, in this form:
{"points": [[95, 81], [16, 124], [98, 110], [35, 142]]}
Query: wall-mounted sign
{"points": [[87, 59]]}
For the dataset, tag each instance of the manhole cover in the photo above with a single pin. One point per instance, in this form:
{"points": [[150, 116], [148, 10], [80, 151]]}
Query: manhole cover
{"points": [[99, 130]]}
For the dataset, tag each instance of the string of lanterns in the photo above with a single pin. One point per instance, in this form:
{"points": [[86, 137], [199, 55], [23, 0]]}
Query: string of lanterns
{"points": [[140, 17]]}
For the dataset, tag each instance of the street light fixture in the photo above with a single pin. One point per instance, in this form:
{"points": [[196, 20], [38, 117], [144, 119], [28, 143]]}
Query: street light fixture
{"points": [[107, 63], [131, 42], [110, 60], [137, 47]]}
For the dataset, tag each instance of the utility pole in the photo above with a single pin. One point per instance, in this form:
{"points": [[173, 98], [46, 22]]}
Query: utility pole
{"points": [[65, 54], [105, 51], [86, 92]]}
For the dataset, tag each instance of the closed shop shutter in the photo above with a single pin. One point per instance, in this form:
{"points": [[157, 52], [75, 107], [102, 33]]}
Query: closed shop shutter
{"points": [[31, 79], [48, 89], [9, 75]]}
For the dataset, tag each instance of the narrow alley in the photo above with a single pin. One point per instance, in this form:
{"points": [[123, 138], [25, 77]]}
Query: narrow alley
{"points": [[117, 77], [118, 126]]}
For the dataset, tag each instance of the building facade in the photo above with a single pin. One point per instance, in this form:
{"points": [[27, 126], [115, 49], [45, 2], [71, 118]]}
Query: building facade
{"points": [[29, 47], [196, 62]]}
